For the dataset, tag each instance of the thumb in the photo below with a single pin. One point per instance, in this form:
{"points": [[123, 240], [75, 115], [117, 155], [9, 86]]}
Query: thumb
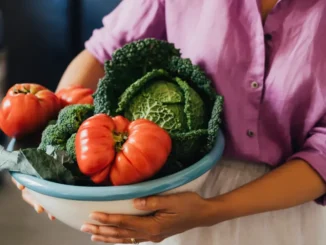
{"points": [[153, 203]]}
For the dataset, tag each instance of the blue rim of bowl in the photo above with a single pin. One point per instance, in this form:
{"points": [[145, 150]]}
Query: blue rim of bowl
{"points": [[114, 193]]}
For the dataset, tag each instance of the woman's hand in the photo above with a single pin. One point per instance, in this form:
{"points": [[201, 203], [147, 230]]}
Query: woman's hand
{"points": [[27, 198], [174, 214]]}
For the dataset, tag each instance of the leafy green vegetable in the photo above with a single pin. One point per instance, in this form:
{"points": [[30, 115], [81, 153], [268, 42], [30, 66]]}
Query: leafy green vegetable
{"points": [[171, 166], [70, 147], [71, 117], [69, 120], [53, 135], [52, 122], [127, 65], [149, 79], [37, 163], [70, 164], [58, 139], [168, 102], [144, 79]]}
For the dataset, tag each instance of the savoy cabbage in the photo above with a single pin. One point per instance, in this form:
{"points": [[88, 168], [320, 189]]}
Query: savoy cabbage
{"points": [[149, 79]]}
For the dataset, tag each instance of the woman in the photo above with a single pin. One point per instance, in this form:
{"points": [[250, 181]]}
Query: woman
{"points": [[268, 59]]}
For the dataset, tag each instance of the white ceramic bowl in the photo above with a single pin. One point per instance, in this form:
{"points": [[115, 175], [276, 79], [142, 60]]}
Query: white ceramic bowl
{"points": [[73, 204]]}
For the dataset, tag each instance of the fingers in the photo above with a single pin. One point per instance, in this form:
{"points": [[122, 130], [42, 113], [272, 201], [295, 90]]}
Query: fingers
{"points": [[108, 231], [138, 223], [39, 209], [117, 235], [27, 198], [19, 186], [51, 217], [97, 238], [155, 203]]}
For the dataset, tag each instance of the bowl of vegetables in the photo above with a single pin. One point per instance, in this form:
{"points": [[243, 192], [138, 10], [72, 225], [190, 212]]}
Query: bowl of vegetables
{"points": [[72, 204], [152, 127]]}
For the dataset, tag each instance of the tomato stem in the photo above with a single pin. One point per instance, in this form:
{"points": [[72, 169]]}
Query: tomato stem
{"points": [[21, 91], [119, 139]]}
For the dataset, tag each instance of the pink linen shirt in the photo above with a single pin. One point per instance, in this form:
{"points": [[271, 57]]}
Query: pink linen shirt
{"points": [[272, 74]]}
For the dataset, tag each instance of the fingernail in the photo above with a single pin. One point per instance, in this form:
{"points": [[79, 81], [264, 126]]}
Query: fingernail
{"points": [[94, 239], [87, 228], [38, 209], [20, 187], [93, 216], [140, 203], [51, 217]]}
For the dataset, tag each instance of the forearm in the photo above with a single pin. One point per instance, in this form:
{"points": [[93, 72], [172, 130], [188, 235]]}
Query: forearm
{"points": [[84, 70], [291, 184]]}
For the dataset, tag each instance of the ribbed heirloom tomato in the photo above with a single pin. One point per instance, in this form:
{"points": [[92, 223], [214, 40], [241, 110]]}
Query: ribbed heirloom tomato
{"points": [[27, 108], [75, 95], [117, 151]]}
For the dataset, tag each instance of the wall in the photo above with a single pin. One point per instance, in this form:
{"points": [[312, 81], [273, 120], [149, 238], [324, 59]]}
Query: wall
{"points": [[43, 36]]}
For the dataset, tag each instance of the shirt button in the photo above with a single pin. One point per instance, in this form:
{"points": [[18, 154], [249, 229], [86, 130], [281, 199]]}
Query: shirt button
{"points": [[254, 84], [268, 37], [250, 133]]}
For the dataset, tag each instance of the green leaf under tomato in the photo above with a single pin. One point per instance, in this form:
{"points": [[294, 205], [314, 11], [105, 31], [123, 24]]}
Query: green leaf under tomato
{"points": [[16, 162], [70, 165], [37, 163]]}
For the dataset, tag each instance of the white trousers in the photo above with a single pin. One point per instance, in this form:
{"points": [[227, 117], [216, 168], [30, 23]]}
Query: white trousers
{"points": [[300, 225]]}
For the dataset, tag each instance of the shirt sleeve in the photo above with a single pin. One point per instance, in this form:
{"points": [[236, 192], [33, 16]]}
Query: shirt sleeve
{"points": [[314, 152], [129, 21]]}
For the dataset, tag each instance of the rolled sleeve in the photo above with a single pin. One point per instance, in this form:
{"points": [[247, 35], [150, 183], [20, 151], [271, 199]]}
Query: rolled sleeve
{"points": [[314, 152], [129, 21]]}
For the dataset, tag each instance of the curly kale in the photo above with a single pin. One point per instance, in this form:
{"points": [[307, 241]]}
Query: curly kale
{"points": [[127, 65], [214, 123], [60, 134], [197, 78], [149, 79]]}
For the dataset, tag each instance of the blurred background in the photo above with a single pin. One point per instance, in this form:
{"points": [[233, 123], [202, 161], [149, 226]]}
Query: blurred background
{"points": [[38, 39]]}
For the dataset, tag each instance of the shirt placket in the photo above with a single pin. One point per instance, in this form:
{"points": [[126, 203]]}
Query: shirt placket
{"points": [[255, 87], [256, 84]]}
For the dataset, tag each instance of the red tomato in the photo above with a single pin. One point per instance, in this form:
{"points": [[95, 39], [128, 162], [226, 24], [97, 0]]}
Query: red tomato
{"points": [[75, 95], [122, 152], [27, 108]]}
